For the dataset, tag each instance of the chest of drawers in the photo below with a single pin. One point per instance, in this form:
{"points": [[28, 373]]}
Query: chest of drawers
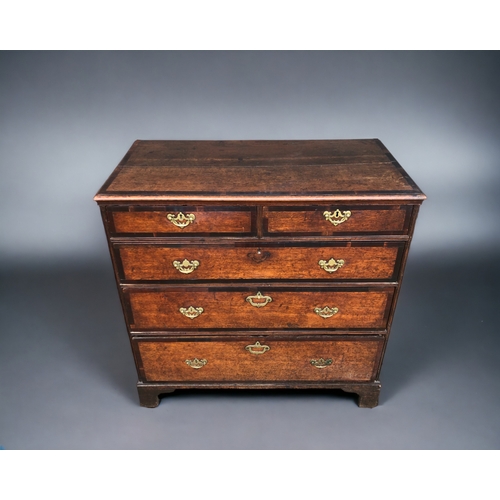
{"points": [[259, 264]]}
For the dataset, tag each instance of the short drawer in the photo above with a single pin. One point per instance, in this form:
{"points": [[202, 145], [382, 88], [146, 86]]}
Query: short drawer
{"points": [[335, 220], [219, 308], [181, 221], [347, 261], [259, 360]]}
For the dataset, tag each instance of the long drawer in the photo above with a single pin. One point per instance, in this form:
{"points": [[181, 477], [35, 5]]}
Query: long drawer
{"points": [[218, 308], [368, 261], [264, 359]]}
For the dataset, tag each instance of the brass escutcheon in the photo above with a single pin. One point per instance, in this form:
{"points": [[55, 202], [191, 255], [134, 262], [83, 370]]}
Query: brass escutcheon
{"points": [[336, 217], [191, 312], [196, 363], [186, 266], [331, 265], [257, 348], [250, 299], [321, 363], [326, 312], [181, 220]]}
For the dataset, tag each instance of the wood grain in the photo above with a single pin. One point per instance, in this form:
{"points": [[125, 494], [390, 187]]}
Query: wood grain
{"points": [[289, 309], [145, 152], [352, 360], [206, 222], [269, 179], [312, 221], [227, 170], [155, 262]]}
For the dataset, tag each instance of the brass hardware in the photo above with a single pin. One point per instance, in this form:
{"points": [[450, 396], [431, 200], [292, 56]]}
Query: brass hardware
{"points": [[321, 363], [196, 363], [336, 217], [326, 312], [191, 312], [331, 265], [181, 220], [186, 266], [257, 348], [259, 296], [259, 256]]}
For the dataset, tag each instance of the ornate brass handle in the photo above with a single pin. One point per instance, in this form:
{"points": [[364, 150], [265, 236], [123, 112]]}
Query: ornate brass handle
{"points": [[321, 363], [191, 312], [332, 265], [186, 266], [257, 348], [196, 363], [181, 220], [326, 312], [259, 296], [336, 217]]}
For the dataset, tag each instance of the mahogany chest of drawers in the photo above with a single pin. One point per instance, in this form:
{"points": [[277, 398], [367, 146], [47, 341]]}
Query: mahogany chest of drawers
{"points": [[259, 264]]}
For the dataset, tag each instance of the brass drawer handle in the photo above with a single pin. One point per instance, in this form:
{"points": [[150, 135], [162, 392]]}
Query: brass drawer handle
{"points": [[257, 348], [181, 220], [191, 312], [326, 312], [186, 266], [259, 296], [336, 217], [196, 363], [332, 265], [321, 363]]}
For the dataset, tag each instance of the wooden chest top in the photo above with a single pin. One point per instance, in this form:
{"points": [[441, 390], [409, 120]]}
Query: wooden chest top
{"points": [[314, 170]]}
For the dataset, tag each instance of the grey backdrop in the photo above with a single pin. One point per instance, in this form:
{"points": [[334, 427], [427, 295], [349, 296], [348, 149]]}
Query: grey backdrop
{"points": [[66, 120]]}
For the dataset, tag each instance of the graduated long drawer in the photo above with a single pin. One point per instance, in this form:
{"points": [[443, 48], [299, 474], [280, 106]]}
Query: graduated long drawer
{"points": [[218, 308], [356, 261], [258, 359]]}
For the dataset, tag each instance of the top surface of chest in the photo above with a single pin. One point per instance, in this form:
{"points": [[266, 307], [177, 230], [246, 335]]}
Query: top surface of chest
{"points": [[320, 170]]}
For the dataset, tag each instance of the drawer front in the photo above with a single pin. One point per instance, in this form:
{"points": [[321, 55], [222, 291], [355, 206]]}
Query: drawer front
{"points": [[256, 308], [182, 221], [259, 360], [336, 220], [204, 262]]}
